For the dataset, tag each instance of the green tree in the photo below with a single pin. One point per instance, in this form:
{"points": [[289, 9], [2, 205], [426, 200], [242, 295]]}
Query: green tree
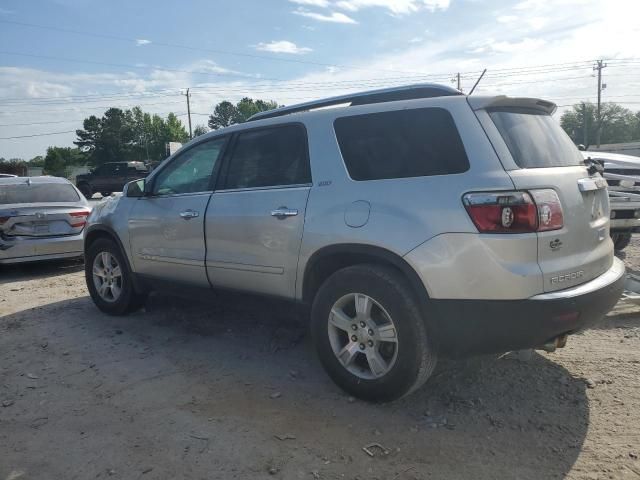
{"points": [[59, 160], [199, 130], [128, 135], [619, 124], [37, 161], [222, 116], [13, 166], [225, 113]]}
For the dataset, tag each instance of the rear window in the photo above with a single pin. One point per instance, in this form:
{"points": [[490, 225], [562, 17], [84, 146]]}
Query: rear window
{"points": [[399, 144], [37, 193], [534, 139]]}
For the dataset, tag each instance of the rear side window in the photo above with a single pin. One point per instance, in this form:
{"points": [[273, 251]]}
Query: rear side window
{"points": [[37, 193], [269, 157], [400, 144], [534, 139]]}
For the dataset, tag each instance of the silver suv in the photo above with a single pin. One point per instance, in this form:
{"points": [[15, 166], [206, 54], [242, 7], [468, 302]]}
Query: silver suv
{"points": [[414, 222]]}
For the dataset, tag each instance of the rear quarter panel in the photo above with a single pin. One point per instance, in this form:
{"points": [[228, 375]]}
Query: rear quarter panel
{"points": [[403, 213]]}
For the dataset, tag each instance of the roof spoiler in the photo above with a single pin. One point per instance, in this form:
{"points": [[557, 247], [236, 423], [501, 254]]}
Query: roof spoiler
{"points": [[502, 101], [408, 92]]}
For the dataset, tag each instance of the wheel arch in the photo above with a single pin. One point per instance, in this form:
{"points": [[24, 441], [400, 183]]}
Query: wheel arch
{"points": [[328, 260], [96, 232]]}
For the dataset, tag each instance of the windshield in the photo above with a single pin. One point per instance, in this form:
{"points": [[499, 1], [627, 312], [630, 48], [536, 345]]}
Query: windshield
{"points": [[37, 193], [534, 139]]}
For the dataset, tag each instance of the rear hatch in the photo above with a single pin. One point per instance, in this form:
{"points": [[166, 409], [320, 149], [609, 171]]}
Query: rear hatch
{"points": [[538, 155], [40, 210]]}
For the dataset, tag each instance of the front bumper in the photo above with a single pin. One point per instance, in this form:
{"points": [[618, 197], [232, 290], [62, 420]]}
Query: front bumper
{"points": [[624, 215], [467, 327], [25, 249]]}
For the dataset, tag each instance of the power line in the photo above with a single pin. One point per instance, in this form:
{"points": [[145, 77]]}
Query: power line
{"points": [[188, 47], [125, 65], [37, 135], [91, 108]]}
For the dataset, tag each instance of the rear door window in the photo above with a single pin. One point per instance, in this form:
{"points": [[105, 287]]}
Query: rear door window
{"points": [[399, 144], [534, 139], [269, 157], [37, 193]]}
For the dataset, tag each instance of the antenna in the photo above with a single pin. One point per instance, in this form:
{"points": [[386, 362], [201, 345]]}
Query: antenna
{"points": [[478, 81]]}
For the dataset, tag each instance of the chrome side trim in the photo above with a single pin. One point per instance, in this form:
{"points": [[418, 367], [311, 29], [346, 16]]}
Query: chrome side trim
{"points": [[245, 268], [176, 261]]}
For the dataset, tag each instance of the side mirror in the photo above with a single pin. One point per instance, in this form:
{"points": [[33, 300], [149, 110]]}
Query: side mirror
{"points": [[136, 189]]}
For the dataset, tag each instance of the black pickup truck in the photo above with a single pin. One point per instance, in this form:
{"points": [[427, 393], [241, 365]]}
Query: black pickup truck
{"points": [[110, 177]]}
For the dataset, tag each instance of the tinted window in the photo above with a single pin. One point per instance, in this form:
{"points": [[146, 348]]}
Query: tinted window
{"points": [[399, 144], [37, 193], [136, 171], [535, 140], [190, 171], [269, 157]]}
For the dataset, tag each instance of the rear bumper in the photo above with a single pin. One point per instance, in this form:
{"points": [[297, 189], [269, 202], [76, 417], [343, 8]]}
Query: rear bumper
{"points": [[467, 327], [23, 249]]}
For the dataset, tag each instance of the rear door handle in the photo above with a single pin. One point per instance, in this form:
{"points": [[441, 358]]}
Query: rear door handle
{"points": [[189, 214], [284, 212]]}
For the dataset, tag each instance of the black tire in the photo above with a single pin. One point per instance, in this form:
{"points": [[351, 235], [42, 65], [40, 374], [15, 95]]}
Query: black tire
{"points": [[85, 189], [128, 300], [621, 241], [415, 359]]}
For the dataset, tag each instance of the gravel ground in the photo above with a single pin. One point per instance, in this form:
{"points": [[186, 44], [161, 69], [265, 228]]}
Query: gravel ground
{"points": [[229, 388]]}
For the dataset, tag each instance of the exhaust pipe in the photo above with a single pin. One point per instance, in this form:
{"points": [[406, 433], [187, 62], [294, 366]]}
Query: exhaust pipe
{"points": [[558, 342]]}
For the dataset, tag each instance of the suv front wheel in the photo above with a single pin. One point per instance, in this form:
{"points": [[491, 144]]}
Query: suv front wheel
{"points": [[109, 280], [369, 333]]}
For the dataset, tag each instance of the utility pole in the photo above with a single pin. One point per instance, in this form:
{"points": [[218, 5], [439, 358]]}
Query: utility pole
{"points": [[599, 66], [189, 113], [457, 79], [585, 139]]}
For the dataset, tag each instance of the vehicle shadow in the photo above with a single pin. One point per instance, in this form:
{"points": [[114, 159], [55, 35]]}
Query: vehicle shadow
{"points": [[19, 272], [240, 373]]}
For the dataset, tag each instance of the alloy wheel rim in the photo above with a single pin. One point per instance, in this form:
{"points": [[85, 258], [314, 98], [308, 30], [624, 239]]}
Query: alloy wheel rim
{"points": [[107, 276], [363, 336]]}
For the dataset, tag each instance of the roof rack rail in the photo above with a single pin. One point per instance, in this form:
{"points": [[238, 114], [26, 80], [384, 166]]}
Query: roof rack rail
{"points": [[407, 92]]}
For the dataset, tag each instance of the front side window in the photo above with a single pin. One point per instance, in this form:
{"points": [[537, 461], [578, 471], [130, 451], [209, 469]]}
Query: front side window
{"points": [[400, 144], [191, 171], [269, 157]]}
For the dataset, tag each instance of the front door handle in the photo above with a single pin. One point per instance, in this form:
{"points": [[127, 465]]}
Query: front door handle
{"points": [[284, 212], [189, 214]]}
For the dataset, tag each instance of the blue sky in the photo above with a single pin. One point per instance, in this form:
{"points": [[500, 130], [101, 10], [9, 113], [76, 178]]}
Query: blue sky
{"points": [[127, 53]]}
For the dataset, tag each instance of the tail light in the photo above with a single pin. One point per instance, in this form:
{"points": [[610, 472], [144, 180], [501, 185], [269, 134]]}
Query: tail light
{"points": [[78, 219], [514, 212], [550, 216]]}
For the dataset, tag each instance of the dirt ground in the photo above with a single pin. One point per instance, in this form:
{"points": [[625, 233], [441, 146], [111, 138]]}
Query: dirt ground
{"points": [[229, 388]]}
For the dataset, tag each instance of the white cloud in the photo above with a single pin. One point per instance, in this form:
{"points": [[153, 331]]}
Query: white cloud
{"points": [[312, 3], [416, 40], [332, 17], [142, 41], [398, 7], [282, 46], [506, 18]]}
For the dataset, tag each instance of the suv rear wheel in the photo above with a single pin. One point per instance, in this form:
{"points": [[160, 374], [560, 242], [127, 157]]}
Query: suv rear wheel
{"points": [[109, 280], [369, 333]]}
